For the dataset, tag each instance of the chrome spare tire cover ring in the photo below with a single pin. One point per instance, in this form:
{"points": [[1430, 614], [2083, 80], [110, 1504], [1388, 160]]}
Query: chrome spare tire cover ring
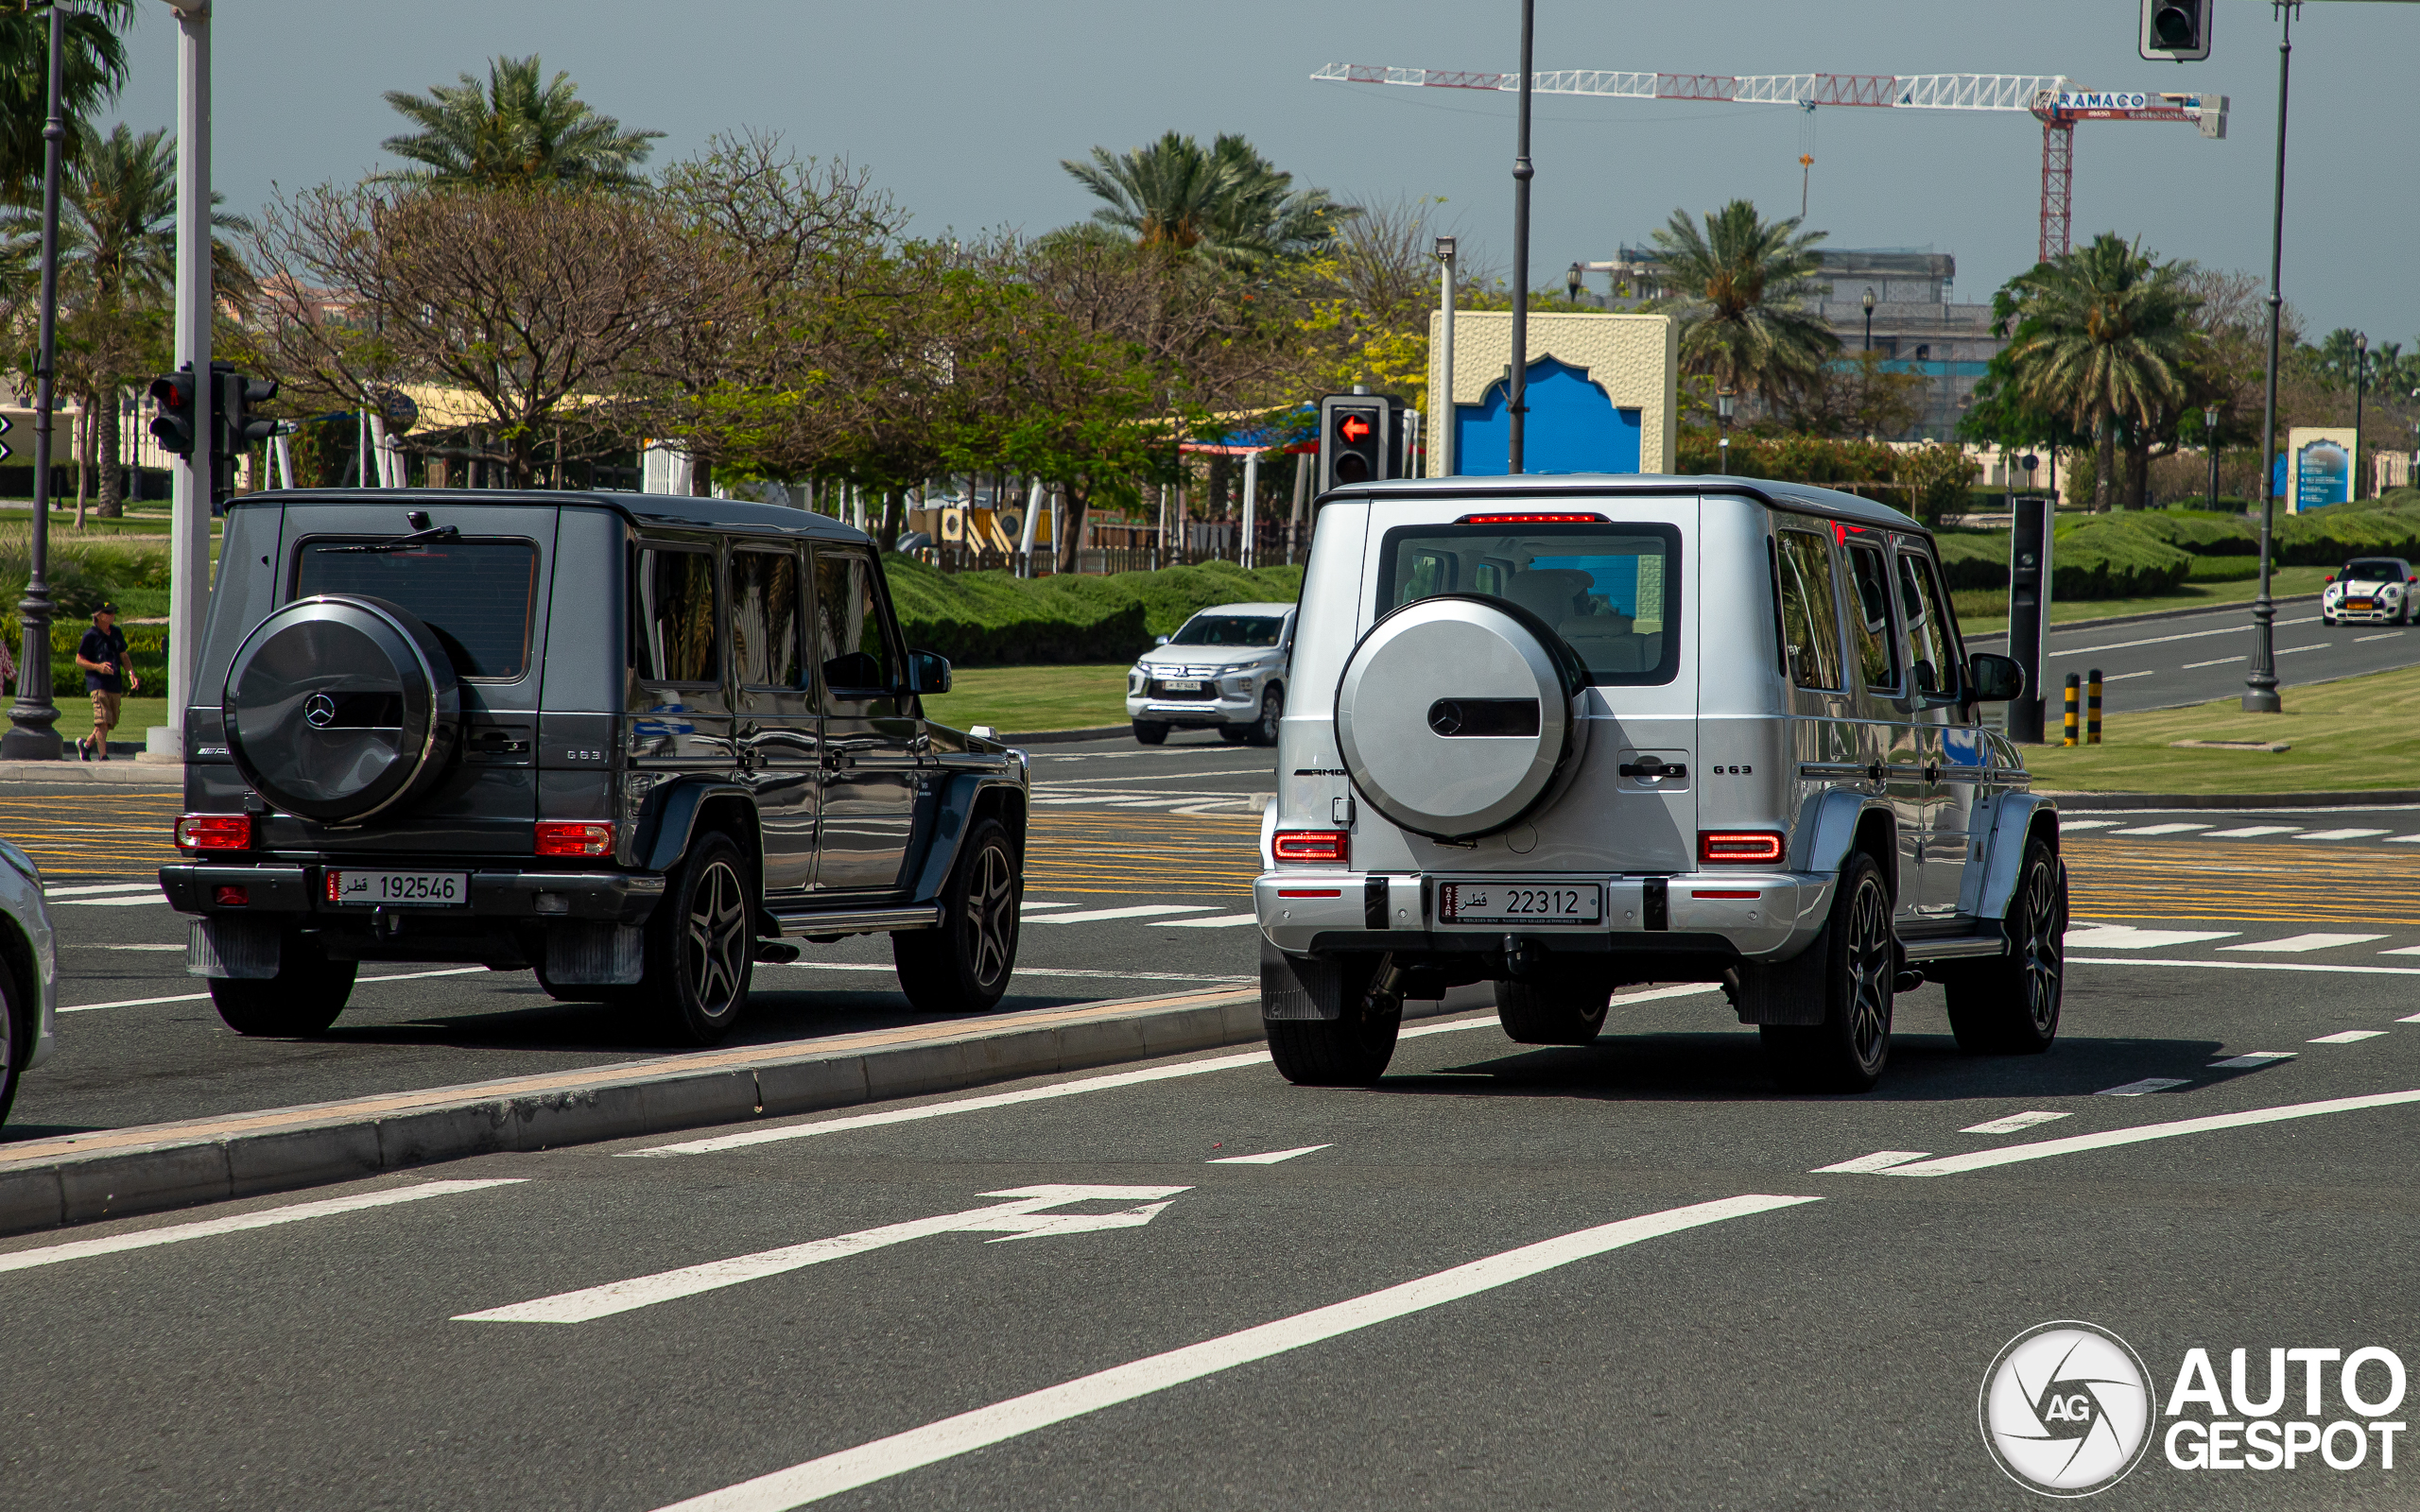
{"points": [[1455, 776]]}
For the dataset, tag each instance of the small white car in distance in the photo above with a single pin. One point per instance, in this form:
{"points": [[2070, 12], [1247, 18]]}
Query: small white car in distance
{"points": [[2370, 590], [28, 973], [1224, 669]]}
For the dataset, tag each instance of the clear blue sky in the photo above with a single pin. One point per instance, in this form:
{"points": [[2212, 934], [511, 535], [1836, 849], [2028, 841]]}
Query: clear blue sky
{"points": [[964, 110]]}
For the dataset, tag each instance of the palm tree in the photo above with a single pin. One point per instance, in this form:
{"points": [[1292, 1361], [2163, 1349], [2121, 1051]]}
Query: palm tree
{"points": [[511, 130], [1740, 290], [1228, 204], [2104, 333], [97, 67]]}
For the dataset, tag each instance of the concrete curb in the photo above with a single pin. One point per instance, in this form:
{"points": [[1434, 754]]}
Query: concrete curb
{"points": [[2092, 802], [115, 1173], [118, 771]]}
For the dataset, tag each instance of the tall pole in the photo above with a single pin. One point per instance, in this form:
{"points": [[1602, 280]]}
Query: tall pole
{"points": [[1442, 403], [2360, 386], [1516, 399], [34, 735], [190, 480], [2210, 438], [2260, 688]]}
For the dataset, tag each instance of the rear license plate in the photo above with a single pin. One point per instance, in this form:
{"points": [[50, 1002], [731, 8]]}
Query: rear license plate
{"points": [[433, 889], [1520, 902], [1180, 684]]}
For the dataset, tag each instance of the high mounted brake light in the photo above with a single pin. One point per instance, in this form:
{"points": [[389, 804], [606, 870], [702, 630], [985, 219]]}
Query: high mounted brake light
{"points": [[1312, 845], [1533, 520], [214, 832], [1749, 846]]}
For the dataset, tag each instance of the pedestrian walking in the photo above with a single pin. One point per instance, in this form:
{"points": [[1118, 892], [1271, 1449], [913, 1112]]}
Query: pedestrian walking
{"points": [[107, 678], [7, 666]]}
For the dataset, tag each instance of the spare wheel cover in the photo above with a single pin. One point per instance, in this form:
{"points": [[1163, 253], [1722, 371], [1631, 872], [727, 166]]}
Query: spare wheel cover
{"points": [[339, 707], [1454, 715]]}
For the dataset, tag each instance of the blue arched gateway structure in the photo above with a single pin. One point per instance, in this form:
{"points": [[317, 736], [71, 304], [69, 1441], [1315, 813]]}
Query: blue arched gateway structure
{"points": [[1574, 427]]}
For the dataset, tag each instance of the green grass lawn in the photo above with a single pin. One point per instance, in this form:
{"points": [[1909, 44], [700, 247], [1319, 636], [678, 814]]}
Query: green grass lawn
{"points": [[2346, 736], [1984, 610], [1020, 700]]}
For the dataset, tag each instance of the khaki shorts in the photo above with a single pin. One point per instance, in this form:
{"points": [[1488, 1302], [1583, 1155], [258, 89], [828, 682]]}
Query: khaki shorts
{"points": [[105, 709]]}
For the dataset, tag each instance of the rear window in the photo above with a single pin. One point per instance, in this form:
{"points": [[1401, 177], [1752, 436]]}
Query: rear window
{"points": [[1229, 630], [477, 597], [1612, 590]]}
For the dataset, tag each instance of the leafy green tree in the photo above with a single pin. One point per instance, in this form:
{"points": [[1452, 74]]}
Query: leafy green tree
{"points": [[1226, 203], [1740, 290], [97, 68], [513, 130], [2108, 330]]}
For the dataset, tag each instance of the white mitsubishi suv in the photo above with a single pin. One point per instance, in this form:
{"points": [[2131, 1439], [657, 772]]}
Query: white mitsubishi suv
{"points": [[1224, 669]]}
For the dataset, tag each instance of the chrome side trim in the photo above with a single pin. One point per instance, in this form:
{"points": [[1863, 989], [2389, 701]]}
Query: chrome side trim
{"points": [[860, 920]]}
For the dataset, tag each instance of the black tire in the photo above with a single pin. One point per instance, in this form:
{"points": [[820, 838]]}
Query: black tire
{"points": [[701, 945], [963, 967], [1273, 708], [1351, 1050], [2009, 1007], [17, 1030], [1149, 733], [1552, 1013], [301, 1000], [1847, 1051]]}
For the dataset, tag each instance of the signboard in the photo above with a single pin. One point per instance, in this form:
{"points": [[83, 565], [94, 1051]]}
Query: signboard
{"points": [[2101, 99], [2319, 467]]}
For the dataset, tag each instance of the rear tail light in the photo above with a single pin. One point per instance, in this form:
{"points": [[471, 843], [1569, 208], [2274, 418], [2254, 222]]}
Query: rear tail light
{"points": [[1739, 847], [575, 837], [214, 832], [1312, 845]]}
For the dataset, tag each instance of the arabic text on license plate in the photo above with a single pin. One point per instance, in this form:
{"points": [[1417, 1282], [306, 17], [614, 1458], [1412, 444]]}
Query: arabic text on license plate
{"points": [[434, 888], [1521, 902], [1182, 684]]}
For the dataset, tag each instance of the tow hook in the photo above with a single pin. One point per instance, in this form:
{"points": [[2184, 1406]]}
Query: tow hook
{"points": [[1522, 957]]}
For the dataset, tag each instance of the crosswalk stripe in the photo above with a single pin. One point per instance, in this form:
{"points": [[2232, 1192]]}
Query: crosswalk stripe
{"points": [[2161, 829], [2320, 941], [1095, 916]]}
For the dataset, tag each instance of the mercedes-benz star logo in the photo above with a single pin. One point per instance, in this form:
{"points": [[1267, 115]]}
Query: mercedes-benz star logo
{"points": [[318, 710], [2066, 1409]]}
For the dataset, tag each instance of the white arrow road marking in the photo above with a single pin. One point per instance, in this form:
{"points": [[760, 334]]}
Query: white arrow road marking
{"points": [[646, 1291], [2012, 1124], [1879, 1160], [1270, 1159], [2148, 1085], [2077, 1143], [265, 1218], [934, 1442]]}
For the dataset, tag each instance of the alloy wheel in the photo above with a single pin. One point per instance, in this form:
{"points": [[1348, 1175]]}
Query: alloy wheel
{"points": [[990, 916], [2042, 947], [718, 943], [1873, 965]]}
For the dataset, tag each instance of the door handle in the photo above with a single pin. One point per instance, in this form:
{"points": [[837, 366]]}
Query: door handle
{"points": [[1873, 773], [1932, 773], [1654, 769]]}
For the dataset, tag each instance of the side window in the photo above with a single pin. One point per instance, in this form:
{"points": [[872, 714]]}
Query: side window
{"points": [[763, 618], [1932, 640], [851, 647], [674, 620], [1873, 633], [1810, 627]]}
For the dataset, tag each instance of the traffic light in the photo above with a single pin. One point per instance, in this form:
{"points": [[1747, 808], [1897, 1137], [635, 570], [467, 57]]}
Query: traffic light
{"points": [[1360, 440], [173, 425], [234, 427], [2176, 28]]}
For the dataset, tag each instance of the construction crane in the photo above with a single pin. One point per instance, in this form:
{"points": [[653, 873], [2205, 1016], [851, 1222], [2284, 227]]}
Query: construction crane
{"points": [[2052, 98]]}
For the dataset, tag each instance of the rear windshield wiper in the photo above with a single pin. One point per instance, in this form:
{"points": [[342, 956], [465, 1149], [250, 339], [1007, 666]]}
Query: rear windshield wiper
{"points": [[418, 538]]}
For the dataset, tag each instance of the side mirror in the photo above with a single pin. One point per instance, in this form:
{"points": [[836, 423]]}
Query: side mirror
{"points": [[1160, 641], [927, 672], [1993, 679]]}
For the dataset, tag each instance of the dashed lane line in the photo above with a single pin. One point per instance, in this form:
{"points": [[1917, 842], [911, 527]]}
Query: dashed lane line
{"points": [[2316, 941], [2143, 1088], [1879, 1160], [2346, 1037], [2111, 1139], [2253, 1057], [1223, 921], [1272, 1158], [265, 1218], [1096, 916], [831, 1474], [2253, 966], [2014, 1122], [204, 997]]}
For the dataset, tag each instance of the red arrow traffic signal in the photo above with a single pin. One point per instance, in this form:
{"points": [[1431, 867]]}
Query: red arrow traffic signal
{"points": [[1354, 428]]}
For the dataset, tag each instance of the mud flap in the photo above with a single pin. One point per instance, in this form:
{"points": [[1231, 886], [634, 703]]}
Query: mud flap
{"points": [[239, 950], [1299, 986], [1790, 992]]}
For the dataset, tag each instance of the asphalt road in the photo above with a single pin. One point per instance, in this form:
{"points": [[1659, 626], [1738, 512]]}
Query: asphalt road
{"points": [[2162, 663], [1524, 1298]]}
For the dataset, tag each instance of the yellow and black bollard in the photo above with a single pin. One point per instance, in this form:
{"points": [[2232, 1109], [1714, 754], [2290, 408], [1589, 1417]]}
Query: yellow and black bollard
{"points": [[2092, 708], [2067, 724]]}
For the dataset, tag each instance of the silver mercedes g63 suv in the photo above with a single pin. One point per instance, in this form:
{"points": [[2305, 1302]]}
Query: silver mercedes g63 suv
{"points": [[1567, 733], [635, 742]]}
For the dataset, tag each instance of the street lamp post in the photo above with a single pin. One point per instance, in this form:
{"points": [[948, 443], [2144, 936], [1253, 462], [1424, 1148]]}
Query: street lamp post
{"points": [[1516, 390], [2210, 439], [1571, 283], [2260, 685], [2360, 383], [1722, 402], [33, 716], [1440, 404], [1868, 303]]}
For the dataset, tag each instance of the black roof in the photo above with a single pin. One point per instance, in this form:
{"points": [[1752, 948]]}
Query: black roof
{"points": [[1805, 497], [677, 511]]}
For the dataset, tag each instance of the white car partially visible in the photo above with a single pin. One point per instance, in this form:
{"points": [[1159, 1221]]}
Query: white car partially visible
{"points": [[28, 973]]}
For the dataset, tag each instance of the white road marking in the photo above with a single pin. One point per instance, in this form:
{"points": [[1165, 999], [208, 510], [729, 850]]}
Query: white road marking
{"points": [[2320, 941], [1029, 904], [1096, 916], [2253, 966], [156, 897], [1150, 777], [1270, 1159], [2410, 1017], [2014, 1123], [2289, 651], [95, 889], [2127, 938], [2250, 830], [265, 1218], [2120, 676], [2142, 1088], [2255, 1058], [2161, 829], [1084, 973], [1879, 1160], [2346, 1037], [1081, 1084], [2067, 824], [2338, 834], [204, 997], [2405, 839], [1223, 921], [2390, 635], [594, 1302], [2196, 666], [2075, 1143], [849, 1469], [137, 947]]}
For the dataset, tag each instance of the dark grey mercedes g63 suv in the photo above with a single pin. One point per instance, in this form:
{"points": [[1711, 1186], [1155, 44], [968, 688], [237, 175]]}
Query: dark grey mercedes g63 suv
{"points": [[632, 742]]}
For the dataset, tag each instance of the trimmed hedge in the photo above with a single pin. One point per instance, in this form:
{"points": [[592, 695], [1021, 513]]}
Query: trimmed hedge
{"points": [[146, 646], [993, 619]]}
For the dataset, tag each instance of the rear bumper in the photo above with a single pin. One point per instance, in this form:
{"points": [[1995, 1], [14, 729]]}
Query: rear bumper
{"points": [[500, 894], [1303, 909]]}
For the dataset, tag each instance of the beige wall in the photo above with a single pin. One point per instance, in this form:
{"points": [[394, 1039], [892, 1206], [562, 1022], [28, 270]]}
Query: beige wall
{"points": [[1634, 358]]}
